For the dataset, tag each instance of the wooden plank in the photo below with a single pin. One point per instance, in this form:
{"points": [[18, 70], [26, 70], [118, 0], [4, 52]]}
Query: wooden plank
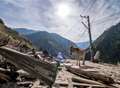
{"points": [[91, 75], [80, 85], [42, 70], [83, 80]]}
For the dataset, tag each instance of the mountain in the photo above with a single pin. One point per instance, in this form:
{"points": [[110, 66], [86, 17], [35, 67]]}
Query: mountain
{"points": [[83, 45], [109, 45], [14, 36], [24, 31], [51, 42]]}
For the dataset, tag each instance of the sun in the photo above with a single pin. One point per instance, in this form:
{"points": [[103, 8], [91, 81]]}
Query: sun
{"points": [[63, 10]]}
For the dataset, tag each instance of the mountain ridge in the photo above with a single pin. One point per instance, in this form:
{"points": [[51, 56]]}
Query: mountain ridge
{"points": [[24, 31], [109, 45], [51, 42]]}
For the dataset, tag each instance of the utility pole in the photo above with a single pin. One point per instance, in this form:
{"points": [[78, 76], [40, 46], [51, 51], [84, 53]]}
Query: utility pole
{"points": [[88, 26]]}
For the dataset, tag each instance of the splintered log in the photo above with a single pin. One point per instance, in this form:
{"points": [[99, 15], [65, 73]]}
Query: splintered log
{"points": [[93, 84], [36, 68], [83, 80], [91, 75], [79, 85]]}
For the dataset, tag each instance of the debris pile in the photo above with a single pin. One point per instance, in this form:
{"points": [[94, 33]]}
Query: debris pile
{"points": [[36, 69], [87, 76], [20, 70]]}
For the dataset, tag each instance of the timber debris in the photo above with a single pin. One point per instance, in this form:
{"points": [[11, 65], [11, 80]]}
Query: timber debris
{"points": [[21, 70]]}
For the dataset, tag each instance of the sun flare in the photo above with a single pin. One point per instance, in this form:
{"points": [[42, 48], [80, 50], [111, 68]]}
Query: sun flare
{"points": [[63, 10]]}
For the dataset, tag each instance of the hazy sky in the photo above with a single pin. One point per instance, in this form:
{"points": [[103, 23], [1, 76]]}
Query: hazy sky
{"points": [[61, 16]]}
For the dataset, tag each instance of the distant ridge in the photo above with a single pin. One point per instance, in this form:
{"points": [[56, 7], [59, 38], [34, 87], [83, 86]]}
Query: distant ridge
{"points": [[24, 31], [51, 42], [83, 45]]}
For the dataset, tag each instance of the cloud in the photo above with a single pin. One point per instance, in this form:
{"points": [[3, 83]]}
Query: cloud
{"points": [[41, 15]]}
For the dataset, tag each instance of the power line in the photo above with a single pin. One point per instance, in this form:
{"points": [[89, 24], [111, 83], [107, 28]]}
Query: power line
{"points": [[103, 6], [70, 29], [84, 11], [89, 7], [83, 33], [95, 15], [104, 18]]}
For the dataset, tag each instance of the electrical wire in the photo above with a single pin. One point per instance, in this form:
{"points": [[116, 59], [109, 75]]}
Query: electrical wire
{"points": [[83, 33]]}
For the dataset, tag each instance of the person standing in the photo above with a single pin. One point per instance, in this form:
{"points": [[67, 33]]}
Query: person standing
{"points": [[60, 57]]}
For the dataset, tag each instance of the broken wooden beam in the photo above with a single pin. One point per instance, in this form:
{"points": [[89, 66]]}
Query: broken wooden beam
{"points": [[91, 82], [83, 80], [79, 85], [39, 69], [91, 75]]}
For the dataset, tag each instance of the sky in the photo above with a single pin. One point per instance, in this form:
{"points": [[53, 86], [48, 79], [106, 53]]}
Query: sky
{"points": [[62, 16]]}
